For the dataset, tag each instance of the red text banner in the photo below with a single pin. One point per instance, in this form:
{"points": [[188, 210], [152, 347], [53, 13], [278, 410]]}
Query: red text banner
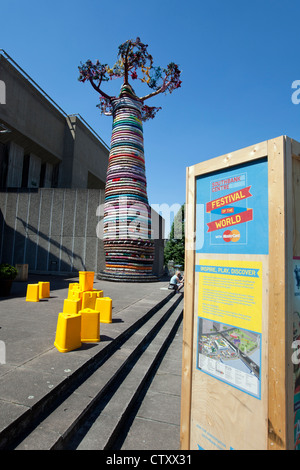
{"points": [[228, 199], [240, 218]]}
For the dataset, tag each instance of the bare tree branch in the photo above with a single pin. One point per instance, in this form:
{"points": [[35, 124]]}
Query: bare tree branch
{"points": [[154, 93], [126, 64], [160, 90], [97, 88]]}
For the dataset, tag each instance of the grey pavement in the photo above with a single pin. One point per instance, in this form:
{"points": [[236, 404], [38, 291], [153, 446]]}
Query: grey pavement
{"points": [[33, 366]]}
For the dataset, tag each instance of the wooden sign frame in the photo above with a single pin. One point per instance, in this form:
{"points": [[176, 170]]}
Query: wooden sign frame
{"points": [[215, 414]]}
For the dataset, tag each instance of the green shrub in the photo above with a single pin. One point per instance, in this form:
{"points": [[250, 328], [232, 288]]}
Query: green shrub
{"points": [[7, 271]]}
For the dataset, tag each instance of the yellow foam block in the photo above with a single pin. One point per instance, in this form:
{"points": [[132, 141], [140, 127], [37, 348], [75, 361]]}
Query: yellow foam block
{"points": [[104, 305], [86, 280], [74, 295], [74, 291], [32, 294], [89, 299], [98, 292], [68, 332], [73, 285], [72, 305], [44, 290], [90, 326]]}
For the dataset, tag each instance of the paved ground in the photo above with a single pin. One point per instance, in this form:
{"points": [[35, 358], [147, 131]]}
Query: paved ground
{"points": [[33, 366]]}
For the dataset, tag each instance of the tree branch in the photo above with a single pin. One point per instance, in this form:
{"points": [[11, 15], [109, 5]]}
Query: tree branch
{"points": [[97, 88], [126, 64], [160, 90], [154, 93]]}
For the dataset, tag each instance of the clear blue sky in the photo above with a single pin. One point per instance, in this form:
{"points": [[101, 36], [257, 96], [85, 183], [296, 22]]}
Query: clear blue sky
{"points": [[238, 60]]}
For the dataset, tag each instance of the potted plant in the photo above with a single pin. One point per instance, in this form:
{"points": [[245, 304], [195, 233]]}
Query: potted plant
{"points": [[7, 274]]}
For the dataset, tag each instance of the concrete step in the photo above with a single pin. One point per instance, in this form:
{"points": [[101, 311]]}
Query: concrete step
{"points": [[54, 425], [105, 425], [154, 423]]}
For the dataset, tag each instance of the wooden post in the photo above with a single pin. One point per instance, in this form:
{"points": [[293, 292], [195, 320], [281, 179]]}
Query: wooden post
{"points": [[188, 310]]}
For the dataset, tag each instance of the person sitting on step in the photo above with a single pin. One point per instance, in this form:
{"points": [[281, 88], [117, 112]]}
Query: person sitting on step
{"points": [[176, 282]]}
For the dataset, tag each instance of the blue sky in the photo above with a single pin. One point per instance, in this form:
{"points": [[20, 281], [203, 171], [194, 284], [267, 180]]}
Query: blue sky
{"points": [[238, 60]]}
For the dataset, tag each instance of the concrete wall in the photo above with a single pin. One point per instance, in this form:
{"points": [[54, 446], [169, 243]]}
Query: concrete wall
{"points": [[15, 166], [51, 229], [59, 230], [82, 155]]}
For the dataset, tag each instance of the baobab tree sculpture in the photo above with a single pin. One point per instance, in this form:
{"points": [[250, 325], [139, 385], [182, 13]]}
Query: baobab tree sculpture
{"points": [[129, 249]]}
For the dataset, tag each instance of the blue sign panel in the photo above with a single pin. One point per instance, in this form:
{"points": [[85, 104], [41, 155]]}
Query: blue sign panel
{"points": [[232, 210]]}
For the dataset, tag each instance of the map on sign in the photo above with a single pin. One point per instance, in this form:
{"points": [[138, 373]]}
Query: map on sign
{"points": [[230, 354]]}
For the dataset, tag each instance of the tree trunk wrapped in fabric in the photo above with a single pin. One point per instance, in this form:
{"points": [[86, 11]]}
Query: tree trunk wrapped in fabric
{"points": [[129, 249]]}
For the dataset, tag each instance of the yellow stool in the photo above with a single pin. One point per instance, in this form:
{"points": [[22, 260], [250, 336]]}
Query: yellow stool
{"points": [[68, 332], [90, 326], [32, 294], [44, 290], [98, 292], [89, 299], [74, 295], [73, 285], [104, 305], [72, 305], [86, 280], [74, 291]]}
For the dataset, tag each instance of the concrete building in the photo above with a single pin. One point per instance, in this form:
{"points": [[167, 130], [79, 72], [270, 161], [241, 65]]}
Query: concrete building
{"points": [[52, 179], [40, 145]]}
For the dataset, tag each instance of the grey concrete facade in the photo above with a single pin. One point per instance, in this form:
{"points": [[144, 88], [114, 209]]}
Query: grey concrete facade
{"points": [[51, 230], [42, 146], [59, 230]]}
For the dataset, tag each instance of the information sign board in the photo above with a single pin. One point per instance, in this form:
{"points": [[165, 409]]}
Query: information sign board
{"points": [[240, 338]]}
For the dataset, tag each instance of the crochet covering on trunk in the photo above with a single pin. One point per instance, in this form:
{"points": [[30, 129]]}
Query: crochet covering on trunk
{"points": [[129, 250]]}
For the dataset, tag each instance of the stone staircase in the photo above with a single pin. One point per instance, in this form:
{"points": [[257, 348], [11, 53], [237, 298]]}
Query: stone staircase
{"points": [[102, 394]]}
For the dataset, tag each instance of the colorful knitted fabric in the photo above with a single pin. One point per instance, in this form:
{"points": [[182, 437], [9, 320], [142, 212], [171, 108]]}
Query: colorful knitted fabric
{"points": [[129, 250]]}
